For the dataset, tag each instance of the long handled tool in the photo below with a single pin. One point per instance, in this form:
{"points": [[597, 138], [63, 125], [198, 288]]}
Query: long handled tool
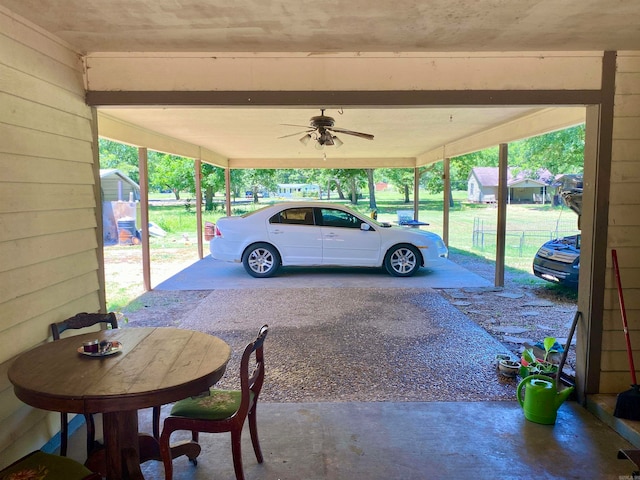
{"points": [[628, 403], [567, 345]]}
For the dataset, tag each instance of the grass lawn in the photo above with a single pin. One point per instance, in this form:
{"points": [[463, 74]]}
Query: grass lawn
{"points": [[471, 231]]}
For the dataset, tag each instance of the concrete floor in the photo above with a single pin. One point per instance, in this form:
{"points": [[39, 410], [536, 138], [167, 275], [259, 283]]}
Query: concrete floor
{"points": [[210, 274], [398, 440], [408, 440]]}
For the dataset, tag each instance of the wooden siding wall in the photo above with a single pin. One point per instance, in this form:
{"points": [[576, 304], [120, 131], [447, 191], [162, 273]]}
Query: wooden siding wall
{"points": [[48, 247], [624, 228]]}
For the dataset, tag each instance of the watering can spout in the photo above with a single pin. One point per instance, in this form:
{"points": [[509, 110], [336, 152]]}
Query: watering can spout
{"points": [[563, 395]]}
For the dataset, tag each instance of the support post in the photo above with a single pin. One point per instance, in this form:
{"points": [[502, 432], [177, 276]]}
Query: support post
{"points": [[143, 161], [447, 200], [227, 190], [198, 180], [416, 193], [503, 164]]}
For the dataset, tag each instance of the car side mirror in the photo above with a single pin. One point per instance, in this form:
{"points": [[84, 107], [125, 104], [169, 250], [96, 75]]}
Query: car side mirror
{"points": [[365, 226]]}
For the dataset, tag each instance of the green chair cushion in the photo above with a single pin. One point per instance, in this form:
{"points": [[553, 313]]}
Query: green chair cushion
{"points": [[45, 466], [216, 405]]}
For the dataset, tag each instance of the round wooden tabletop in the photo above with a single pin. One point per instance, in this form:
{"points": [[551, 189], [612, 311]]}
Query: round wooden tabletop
{"points": [[155, 366]]}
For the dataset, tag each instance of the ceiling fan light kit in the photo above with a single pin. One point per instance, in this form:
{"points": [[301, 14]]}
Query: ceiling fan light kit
{"points": [[321, 129]]}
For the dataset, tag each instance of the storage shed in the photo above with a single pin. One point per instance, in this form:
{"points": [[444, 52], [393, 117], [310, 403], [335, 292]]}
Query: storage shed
{"points": [[116, 186], [120, 201]]}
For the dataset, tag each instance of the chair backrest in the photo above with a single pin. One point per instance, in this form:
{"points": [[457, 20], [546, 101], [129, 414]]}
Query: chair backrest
{"points": [[252, 383], [83, 320]]}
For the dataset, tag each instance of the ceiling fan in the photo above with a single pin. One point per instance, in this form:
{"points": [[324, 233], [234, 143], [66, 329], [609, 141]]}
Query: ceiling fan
{"points": [[321, 130]]}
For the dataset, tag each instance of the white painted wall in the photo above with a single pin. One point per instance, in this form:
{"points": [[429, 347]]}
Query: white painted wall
{"points": [[48, 249]]}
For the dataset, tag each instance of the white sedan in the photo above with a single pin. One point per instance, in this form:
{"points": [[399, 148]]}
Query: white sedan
{"points": [[314, 234]]}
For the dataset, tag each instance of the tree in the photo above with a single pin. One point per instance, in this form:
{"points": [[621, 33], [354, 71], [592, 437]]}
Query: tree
{"points": [[559, 152], [120, 156], [372, 189], [171, 172], [212, 182], [402, 179], [260, 178], [353, 179]]}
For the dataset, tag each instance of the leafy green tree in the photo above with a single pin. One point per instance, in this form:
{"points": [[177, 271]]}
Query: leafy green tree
{"points": [[256, 179], [353, 179], [120, 156], [559, 152], [171, 172], [401, 179], [212, 181]]}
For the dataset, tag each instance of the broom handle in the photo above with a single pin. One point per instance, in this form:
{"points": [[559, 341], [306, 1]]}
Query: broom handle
{"points": [[623, 312]]}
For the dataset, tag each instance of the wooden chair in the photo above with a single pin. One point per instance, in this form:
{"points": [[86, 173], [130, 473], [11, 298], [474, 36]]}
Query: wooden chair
{"points": [[221, 411], [45, 466], [81, 320]]}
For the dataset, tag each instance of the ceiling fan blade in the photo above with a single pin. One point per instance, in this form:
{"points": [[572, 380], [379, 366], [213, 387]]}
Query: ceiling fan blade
{"points": [[368, 136], [297, 133], [292, 125]]}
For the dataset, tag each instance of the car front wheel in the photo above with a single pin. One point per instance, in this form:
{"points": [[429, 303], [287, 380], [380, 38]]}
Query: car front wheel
{"points": [[261, 260], [402, 261]]}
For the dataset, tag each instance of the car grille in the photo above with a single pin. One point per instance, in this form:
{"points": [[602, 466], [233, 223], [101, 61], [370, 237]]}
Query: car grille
{"points": [[557, 255]]}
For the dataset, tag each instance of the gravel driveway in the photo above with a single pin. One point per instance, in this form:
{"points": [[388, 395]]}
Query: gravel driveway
{"points": [[372, 344], [355, 344]]}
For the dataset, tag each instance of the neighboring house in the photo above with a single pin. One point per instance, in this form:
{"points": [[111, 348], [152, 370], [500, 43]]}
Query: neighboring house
{"points": [[523, 187], [289, 190]]}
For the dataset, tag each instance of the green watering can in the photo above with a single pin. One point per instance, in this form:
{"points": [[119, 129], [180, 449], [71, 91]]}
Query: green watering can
{"points": [[541, 398]]}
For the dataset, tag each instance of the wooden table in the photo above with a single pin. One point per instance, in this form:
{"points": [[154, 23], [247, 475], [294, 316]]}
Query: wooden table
{"points": [[156, 366]]}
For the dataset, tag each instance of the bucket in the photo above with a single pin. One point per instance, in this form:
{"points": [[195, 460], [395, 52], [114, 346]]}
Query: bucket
{"points": [[209, 229], [127, 231]]}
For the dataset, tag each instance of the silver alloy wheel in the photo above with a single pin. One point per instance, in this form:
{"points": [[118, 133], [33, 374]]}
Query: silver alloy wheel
{"points": [[402, 261], [261, 260]]}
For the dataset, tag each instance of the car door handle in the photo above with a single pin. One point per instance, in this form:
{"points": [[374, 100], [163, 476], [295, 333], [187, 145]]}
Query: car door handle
{"points": [[276, 232], [330, 235]]}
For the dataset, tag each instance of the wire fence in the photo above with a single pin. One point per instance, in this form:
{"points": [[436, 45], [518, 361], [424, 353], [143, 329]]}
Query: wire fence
{"points": [[520, 240]]}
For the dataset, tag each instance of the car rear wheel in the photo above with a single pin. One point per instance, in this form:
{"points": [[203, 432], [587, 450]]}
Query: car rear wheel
{"points": [[402, 261], [261, 260]]}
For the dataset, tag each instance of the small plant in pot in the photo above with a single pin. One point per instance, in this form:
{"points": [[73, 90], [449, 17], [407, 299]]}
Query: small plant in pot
{"points": [[531, 365]]}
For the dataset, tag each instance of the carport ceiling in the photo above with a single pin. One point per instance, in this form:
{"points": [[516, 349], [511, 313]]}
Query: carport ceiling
{"points": [[338, 26], [253, 133], [93, 26]]}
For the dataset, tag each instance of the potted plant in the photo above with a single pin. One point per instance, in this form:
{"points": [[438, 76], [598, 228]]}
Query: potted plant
{"points": [[532, 365]]}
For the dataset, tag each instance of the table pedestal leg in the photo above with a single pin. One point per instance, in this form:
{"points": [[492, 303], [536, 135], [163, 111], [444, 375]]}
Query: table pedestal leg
{"points": [[122, 451], [125, 449]]}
